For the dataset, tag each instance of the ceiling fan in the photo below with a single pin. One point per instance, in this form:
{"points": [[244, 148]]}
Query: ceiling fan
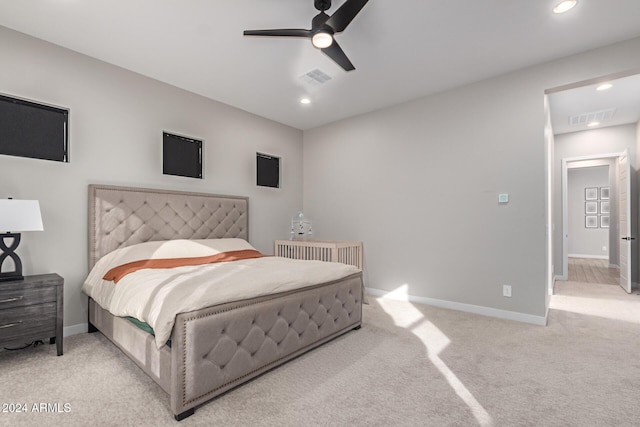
{"points": [[323, 28]]}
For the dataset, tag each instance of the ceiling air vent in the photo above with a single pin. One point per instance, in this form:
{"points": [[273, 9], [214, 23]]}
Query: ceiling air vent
{"points": [[594, 116], [316, 77]]}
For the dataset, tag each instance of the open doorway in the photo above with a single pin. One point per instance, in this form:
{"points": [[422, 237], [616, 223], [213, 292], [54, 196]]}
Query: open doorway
{"points": [[599, 219], [590, 130], [591, 220]]}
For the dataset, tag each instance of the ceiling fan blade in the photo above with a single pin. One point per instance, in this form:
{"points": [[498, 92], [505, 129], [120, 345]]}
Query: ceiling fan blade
{"points": [[283, 32], [336, 53], [345, 14]]}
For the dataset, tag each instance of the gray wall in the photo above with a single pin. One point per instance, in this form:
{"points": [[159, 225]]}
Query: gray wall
{"points": [[593, 143], [418, 183], [638, 143], [116, 123], [589, 242]]}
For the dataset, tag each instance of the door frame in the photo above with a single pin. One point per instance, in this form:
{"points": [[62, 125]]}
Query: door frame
{"points": [[565, 205], [626, 248]]}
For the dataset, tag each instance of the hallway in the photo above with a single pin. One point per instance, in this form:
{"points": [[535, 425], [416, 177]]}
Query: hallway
{"points": [[589, 291], [588, 270]]}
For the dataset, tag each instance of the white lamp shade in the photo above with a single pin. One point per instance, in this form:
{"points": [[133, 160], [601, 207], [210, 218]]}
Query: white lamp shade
{"points": [[20, 215]]}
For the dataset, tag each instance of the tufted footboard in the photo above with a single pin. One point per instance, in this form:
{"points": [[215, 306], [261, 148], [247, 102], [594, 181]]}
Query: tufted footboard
{"points": [[218, 348]]}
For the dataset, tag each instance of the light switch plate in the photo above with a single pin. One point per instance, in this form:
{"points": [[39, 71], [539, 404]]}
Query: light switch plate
{"points": [[503, 198]]}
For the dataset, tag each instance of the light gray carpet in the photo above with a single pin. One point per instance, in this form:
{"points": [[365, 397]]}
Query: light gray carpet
{"points": [[409, 365]]}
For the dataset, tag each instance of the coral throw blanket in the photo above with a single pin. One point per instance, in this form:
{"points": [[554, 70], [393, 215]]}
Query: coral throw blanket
{"points": [[117, 273]]}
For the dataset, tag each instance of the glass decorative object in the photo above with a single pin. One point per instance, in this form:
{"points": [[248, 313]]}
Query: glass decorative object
{"points": [[300, 227]]}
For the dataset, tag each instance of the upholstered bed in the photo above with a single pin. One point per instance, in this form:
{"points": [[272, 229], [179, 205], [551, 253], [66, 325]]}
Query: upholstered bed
{"points": [[215, 348]]}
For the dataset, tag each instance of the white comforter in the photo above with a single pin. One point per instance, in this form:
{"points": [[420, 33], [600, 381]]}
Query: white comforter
{"points": [[156, 296]]}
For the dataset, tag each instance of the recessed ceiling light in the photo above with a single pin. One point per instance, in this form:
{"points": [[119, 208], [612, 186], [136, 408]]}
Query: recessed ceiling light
{"points": [[593, 124], [564, 6], [604, 86], [305, 101]]}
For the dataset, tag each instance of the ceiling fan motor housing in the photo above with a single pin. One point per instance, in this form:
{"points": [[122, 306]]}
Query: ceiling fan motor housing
{"points": [[317, 23], [322, 5]]}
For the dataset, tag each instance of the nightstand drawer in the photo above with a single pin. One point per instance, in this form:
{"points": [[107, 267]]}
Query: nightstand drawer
{"points": [[27, 296], [28, 323]]}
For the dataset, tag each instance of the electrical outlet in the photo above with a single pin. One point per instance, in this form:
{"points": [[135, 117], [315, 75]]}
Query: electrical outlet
{"points": [[506, 291], [604, 248]]}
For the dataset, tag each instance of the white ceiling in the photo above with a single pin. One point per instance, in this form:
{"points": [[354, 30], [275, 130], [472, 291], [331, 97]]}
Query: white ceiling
{"points": [[402, 50]]}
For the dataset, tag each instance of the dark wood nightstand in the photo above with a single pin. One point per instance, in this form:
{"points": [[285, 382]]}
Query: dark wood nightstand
{"points": [[31, 309]]}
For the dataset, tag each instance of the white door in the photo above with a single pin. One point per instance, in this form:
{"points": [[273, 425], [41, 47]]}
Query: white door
{"points": [[624, 183]]}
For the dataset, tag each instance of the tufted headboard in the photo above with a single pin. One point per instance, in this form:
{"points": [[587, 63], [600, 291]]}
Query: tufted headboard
{"points": [[123, 216]]}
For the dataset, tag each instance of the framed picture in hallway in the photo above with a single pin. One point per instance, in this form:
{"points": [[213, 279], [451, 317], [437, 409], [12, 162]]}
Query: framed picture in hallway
{"points": [[591, 208], [604, 207], [591, 193], [591, 221], [604, 193], [604, 221]]}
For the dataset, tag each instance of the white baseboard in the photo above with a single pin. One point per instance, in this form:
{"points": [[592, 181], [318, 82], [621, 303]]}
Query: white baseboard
{"points": [[468, 308], [588, 256], [80, 328], [614, 266], [546, 317], [560, 277]]}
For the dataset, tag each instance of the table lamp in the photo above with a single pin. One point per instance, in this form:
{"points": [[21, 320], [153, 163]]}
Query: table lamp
{"points": [[16, 216]]}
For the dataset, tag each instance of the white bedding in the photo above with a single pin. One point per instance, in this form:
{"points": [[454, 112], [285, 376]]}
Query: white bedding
{"points": [[156, 296]]}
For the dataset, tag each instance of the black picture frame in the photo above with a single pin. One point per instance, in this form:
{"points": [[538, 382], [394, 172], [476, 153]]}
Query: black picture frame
{"points": [[267, 170], [181, 155], [34, 130]]}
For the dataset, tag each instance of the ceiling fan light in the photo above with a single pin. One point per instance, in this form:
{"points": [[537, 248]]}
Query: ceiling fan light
{"points": [[322, 40]]}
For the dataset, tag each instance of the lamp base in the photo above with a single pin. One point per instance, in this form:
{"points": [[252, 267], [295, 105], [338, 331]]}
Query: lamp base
{"points": [[10, 252], [11, 277]]}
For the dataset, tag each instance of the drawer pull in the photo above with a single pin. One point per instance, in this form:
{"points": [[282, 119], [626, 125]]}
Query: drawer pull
{"points": [[11, 299], [10, 325]]}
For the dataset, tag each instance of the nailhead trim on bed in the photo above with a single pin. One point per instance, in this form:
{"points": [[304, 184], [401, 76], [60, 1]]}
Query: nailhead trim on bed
{"points": [[336, 303]]}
